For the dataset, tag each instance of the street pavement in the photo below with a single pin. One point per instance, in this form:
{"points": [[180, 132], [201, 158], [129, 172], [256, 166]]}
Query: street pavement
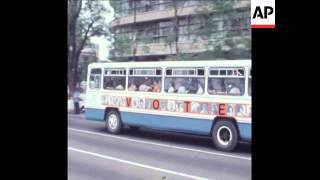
{"points": [[93, 153]]}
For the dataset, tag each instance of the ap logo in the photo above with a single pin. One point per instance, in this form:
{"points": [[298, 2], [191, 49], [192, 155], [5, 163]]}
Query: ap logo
{"points": [[262, 13]]}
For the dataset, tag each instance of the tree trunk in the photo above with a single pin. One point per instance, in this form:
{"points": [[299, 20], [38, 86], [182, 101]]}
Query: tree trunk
{"points": [[71, 80], [72, 60]]}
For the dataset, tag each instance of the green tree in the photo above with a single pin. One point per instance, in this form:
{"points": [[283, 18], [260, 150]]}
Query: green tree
{"points": [[85, 20]]}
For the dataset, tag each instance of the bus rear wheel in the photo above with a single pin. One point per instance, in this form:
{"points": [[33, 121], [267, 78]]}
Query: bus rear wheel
{"points": [[225, 135], [113, 122]]}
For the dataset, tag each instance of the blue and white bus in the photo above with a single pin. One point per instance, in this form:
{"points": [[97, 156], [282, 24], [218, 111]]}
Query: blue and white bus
{"points": [[211, 98]]}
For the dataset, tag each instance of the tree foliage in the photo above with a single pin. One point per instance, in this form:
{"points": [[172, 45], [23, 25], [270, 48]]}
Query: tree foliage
{"points": [[85, 20]]}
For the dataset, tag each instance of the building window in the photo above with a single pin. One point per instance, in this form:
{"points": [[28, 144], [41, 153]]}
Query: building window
{"points": [[238, 23], [190, 28]]}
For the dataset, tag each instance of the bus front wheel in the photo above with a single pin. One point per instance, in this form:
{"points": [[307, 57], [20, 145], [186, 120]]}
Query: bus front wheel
{"points": [[113, 122], [225, 136]]}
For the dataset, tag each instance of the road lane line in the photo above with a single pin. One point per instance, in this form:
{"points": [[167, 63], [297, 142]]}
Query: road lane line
{"points": [[160, 144], [137, 164]]}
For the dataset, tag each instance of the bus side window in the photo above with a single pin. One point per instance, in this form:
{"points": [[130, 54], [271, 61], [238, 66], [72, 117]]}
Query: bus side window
{"points": [[95, 79], [145, 80], [216, 86], [144, 84], [226, 81], [114, 79], [184, 81], [184, 85], [169, 85], [108, 83], [226, 86]]}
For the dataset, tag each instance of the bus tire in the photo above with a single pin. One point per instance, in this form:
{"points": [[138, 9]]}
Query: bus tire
{"points": [[113, 122], [225, 135]]}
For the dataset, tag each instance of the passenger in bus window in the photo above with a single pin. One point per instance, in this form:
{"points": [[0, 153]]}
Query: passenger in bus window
{"points": [[211, 89], [182, 90], [220, 86], [180, 86], [132, 87], [145, 87], [194, 85], [200, 89], [171, 88], [119, 86], [156, 87], [108, 83], [234, 90], [97, 82]]}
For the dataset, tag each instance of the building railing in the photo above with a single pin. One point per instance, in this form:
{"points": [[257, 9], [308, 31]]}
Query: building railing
{"points": [[120, 12], [188, 46], [165, 12], [162, 34]]}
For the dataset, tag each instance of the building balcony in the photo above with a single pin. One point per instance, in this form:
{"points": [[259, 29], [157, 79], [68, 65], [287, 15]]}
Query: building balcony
{"points": [[165, 14], [159, 49]]}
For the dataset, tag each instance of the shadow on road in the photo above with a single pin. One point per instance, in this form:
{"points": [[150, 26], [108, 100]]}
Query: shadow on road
{"points": [[171, 137]]}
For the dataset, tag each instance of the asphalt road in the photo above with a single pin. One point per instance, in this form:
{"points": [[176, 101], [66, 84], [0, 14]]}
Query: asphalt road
{"points": [[147, 154]]}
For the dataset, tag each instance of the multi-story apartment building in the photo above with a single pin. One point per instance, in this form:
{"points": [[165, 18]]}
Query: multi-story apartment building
{"points": [[193, 29]]}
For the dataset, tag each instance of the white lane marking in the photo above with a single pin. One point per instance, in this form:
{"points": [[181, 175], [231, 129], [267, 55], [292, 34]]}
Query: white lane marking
{"points": [[137, 164], [160, 144]]}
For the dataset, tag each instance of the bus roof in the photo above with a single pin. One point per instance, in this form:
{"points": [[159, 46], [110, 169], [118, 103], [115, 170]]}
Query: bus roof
{"points": [[222, 63]]}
